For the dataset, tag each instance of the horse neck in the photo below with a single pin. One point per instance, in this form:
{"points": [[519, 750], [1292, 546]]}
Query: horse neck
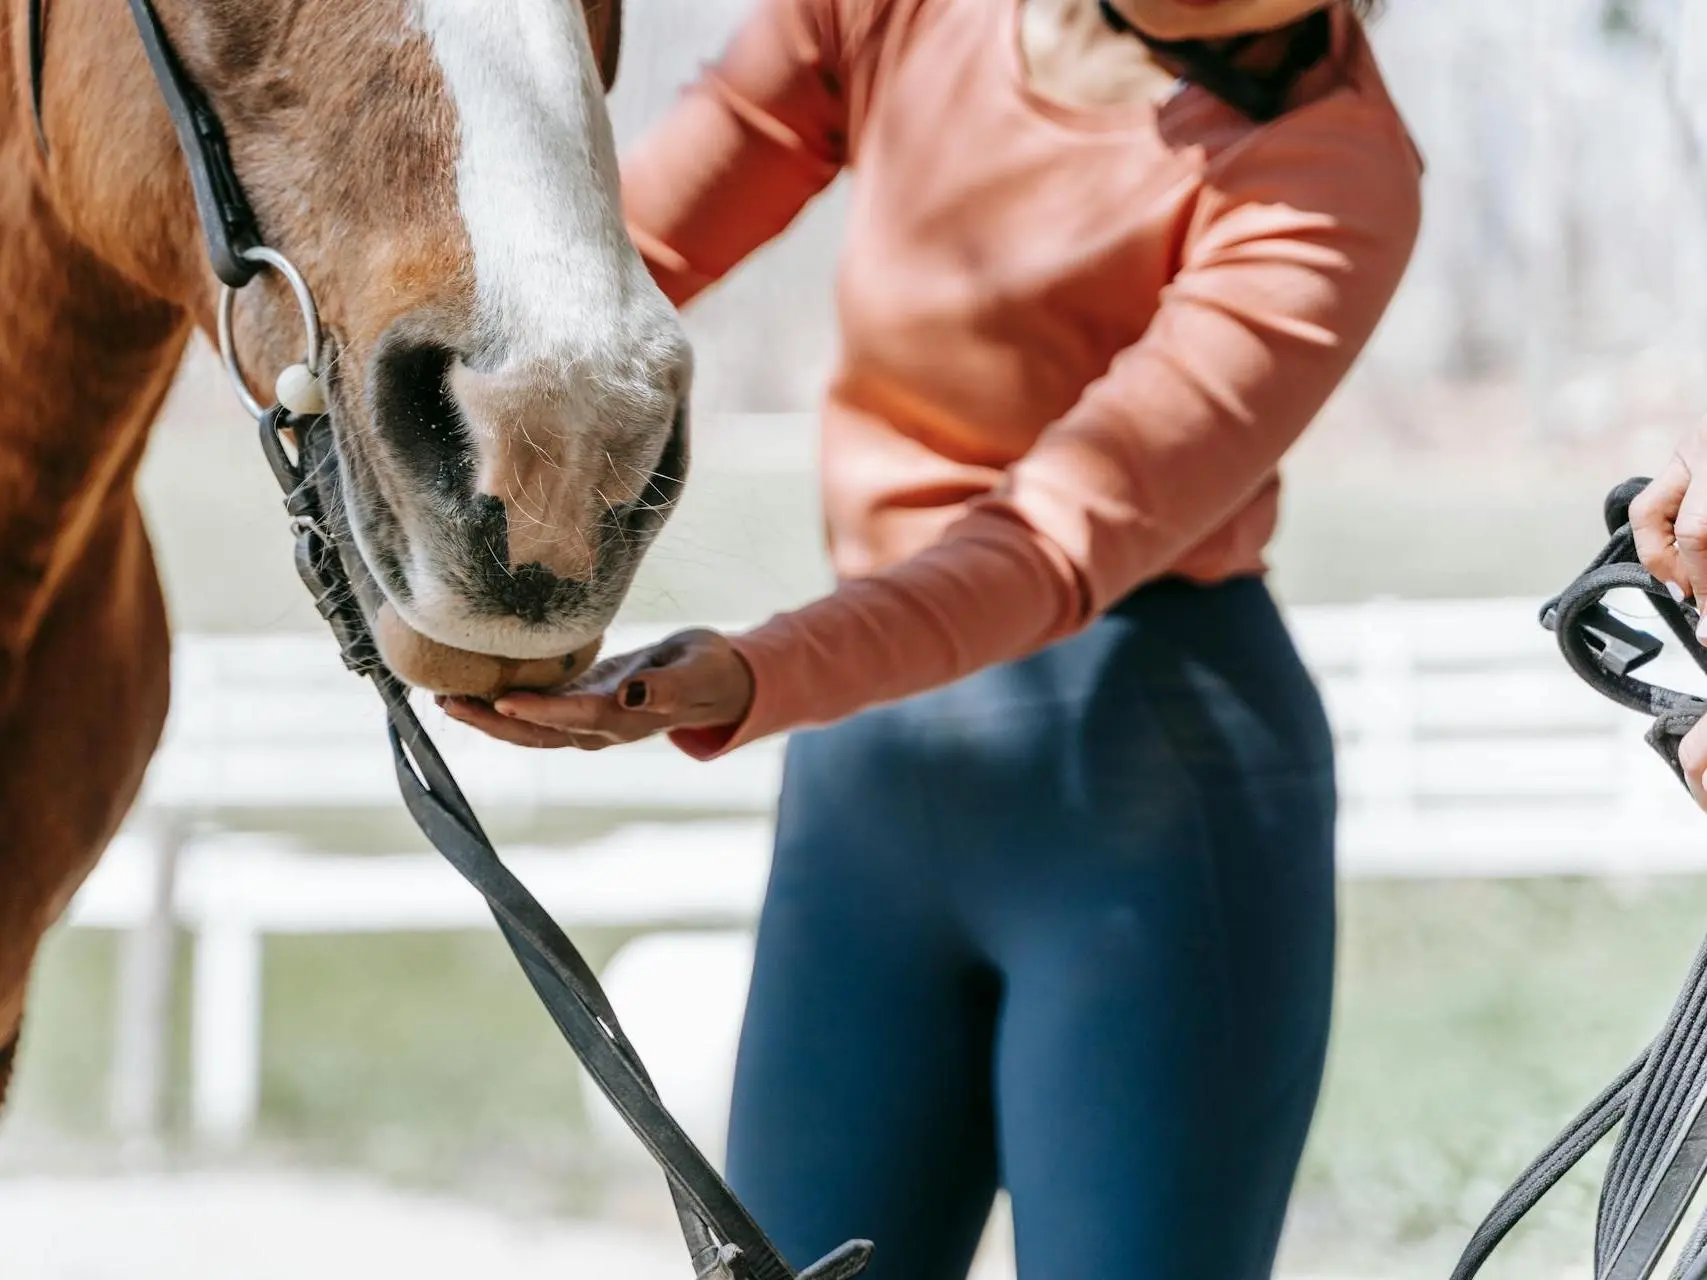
{"points": [[86, 357]]}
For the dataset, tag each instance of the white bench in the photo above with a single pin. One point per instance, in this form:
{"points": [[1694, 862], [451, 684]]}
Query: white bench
{"points": [[1467, 748]]}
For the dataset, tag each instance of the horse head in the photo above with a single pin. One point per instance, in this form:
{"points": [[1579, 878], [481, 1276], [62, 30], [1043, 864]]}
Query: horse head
{"points": [[507, 386]]}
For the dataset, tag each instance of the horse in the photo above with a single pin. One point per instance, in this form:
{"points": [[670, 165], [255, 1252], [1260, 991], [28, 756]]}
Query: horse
{"points": [[504, 380]]}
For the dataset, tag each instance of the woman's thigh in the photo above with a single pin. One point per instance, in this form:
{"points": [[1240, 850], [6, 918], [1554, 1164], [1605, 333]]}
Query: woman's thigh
{"points": [[862, 1092], [1163, 922], [1161, 1045]]}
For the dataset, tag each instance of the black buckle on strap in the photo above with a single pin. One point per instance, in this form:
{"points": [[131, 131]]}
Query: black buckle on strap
{"points": [[1617, 646]]}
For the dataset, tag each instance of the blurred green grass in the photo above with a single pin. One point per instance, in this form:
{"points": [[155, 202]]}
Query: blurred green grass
{"points": [[1474, 1019]]}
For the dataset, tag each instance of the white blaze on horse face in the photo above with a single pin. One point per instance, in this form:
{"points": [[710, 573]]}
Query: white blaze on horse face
{"points": [[580, 361]]}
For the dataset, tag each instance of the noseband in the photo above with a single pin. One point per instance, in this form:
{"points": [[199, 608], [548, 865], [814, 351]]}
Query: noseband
{"points": [[724, 1242]]}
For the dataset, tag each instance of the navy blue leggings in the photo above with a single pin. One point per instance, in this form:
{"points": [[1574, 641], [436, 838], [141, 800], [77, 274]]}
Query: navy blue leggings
{"points": [[1065, 927]]}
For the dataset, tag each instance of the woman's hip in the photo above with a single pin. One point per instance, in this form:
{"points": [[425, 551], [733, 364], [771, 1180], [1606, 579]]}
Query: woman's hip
{"points": [[1177, 676], [1184, 704]]}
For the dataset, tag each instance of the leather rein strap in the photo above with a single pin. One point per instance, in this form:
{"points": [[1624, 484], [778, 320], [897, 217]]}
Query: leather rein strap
{"points": [[228, 224], [722, 1237], [724, 1242], [1656, 1103]]}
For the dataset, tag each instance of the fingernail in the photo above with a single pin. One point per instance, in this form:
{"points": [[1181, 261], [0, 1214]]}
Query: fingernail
{"points": [[1677, 592], [634, 694]]}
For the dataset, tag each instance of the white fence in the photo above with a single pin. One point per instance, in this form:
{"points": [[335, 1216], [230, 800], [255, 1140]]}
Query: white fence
{"points": [[1466, 748]]}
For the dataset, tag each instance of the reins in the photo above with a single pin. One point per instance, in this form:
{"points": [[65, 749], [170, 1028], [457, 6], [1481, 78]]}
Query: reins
{"points": [[723, 1240], [1661, 1154]]}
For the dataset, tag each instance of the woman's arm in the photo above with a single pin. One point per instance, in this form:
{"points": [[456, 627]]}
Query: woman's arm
{"points": [[761, 132], [1300, 246]]}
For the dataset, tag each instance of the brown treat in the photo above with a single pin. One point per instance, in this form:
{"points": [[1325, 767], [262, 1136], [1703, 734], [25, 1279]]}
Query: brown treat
{"points": [[438, 668]]}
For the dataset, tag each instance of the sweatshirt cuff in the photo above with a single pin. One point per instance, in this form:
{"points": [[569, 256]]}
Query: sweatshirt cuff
{"points": [[774, 708]]}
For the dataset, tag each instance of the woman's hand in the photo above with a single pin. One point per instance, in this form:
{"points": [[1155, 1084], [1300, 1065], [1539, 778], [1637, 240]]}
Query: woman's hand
{"points": [[692, 680], [1669, 519], [1692, 755]]}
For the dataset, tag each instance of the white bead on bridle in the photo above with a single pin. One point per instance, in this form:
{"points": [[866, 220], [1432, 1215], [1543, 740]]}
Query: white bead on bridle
{"points": [[300, 387]]}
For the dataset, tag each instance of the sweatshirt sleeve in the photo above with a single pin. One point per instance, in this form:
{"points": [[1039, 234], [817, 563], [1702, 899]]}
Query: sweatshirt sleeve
{"points": [[745, 148], [1298, 245]]}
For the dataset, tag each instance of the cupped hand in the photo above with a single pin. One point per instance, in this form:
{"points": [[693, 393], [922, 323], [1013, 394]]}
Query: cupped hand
{"points": [[691, 680]]}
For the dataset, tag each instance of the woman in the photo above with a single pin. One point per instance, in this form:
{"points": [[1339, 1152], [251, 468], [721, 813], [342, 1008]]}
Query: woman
{"points": [[1052, 902]]}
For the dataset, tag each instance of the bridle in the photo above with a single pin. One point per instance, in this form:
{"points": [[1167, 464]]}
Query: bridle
{"points": [[1661, 1154], [724, 1242]]}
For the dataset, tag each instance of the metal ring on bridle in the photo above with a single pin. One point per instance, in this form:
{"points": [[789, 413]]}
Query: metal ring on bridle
{"points": [[305, 303]]}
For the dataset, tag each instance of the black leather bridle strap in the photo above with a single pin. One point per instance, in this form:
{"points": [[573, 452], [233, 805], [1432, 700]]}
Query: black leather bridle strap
{"points": [[572, 996], [1659, 1102], [228, 223], [1596, 1120]]}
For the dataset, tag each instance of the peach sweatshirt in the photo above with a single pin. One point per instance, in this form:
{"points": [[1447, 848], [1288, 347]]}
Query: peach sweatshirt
{"points": [[1075, 343]]}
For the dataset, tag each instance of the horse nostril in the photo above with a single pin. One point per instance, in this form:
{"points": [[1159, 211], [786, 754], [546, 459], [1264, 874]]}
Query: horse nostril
{"points": [[417, 416], [647, 513], [528, 591]]}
